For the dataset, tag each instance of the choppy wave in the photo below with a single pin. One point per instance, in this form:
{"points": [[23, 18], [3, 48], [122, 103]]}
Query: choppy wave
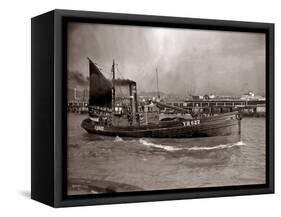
{"points": [[196, 148]]}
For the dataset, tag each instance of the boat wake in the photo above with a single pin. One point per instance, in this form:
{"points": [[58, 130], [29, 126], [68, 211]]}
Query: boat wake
{"points": [[166, 147], [195, 148]]}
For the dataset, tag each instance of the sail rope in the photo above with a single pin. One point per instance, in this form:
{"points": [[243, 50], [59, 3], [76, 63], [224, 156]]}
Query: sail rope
{"points": [[122, 77]]}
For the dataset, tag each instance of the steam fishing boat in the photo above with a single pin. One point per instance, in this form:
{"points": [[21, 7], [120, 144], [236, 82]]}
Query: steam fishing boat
{"points": [[114, 110]]}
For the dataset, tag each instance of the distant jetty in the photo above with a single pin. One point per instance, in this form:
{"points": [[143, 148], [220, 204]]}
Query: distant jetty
{"points": [[248, 108]]}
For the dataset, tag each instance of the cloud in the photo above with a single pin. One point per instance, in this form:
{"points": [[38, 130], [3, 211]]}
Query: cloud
{"points": [[197, 61]]}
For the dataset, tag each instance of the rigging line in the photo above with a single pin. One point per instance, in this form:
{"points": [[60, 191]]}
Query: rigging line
{"points": [[102, 69], [98, 66], [122, 78], [108, 73], [121, 90], [121, 75]]}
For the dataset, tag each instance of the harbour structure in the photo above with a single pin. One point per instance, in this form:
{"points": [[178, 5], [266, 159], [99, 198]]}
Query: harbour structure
{"points": [[119, 116], [77, 100], [253, 107], [246, 107]]}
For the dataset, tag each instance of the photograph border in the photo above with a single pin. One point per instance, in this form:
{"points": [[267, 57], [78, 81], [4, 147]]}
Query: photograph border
{"points": [[61, 18]]}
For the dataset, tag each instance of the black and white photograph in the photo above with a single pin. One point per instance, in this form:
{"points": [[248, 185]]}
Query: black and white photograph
{"points": [[157, 108], [140, 108]]}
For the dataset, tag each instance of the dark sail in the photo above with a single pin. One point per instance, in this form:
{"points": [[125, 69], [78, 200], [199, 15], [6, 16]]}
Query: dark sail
{"points": [[100, 88]]}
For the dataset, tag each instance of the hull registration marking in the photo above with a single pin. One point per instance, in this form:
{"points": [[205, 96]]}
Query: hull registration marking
{"points": [[99, 128], [191, 123]]}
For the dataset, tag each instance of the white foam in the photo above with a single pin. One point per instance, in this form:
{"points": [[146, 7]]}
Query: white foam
{"points": [[118, 139], [222, 146], [172, 148], [166, 147]]}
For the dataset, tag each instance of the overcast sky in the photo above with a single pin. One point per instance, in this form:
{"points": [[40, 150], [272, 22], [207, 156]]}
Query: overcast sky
{"points": [[188, 61]]}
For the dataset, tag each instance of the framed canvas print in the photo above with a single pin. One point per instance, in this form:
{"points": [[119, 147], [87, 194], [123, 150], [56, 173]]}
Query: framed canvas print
{"points": [[131, 108]]}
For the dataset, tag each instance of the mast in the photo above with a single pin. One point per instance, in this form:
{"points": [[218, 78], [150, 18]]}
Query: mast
{"points": [[133, 100], [113, 87], [158, 94], [75, 93]]}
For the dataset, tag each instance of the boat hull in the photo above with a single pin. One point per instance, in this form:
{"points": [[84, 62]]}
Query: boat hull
{"points": [[221, 125]]}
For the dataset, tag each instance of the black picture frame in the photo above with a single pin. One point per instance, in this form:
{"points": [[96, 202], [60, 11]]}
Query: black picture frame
{"points": [[48, 69]]}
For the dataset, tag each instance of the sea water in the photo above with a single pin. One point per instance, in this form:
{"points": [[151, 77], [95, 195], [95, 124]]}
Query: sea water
{"points": [[127, 164]]}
